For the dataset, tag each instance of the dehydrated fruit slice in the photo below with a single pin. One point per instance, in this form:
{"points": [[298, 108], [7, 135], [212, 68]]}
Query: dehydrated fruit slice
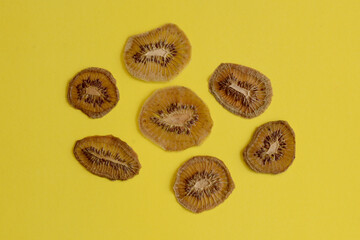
{"points": [[107, 156], [157, 55], [272, 148], [175, 118], [241, 90], [202, 183], [93, 91]]}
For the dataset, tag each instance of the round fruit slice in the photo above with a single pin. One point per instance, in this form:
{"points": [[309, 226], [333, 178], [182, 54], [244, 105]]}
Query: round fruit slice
{"points": [[93, 91], [272, 148], [241, 90], [202, 183], [175, 118], [157, 55], [107, 156]]}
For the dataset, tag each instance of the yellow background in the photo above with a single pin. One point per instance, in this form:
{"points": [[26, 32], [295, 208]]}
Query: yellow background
{"points": [[309, 50]]}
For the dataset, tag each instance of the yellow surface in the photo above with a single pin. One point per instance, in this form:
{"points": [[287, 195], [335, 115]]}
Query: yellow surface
{"points": [[309, 50]]}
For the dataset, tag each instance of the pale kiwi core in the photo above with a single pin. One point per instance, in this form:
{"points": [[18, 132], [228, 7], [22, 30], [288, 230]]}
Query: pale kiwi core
{"points": [[202, 184], [157, 52], [241, 90], [273, 148], [178, 118], [91, 90], [107, 158]]}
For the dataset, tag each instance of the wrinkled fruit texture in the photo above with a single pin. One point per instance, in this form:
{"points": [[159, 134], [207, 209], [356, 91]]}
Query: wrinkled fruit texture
{"points": [[202, 183], [175, 118], [93, 91], [272, 148], [241, 90], [107, 156], [158, 55]]}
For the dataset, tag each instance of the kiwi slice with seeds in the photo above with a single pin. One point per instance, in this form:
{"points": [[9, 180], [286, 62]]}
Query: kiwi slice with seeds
{"points": [[107, 156], [241, 90], [158, 55], [175, 118], [202, 183], [93, 91], [272, 148]]}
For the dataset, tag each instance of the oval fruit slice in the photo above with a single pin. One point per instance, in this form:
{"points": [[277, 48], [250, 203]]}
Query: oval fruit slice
{"points": [[202, 183], [241, 90], [157, 55], [272, 148], [107, 156], [175, 118], [94, 92]]}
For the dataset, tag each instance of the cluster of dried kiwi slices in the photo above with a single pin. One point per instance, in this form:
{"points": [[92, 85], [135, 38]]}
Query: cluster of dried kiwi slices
{"points": [[247, 92], [175, 118]]}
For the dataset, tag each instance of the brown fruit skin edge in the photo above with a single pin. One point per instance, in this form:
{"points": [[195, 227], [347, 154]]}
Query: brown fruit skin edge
{"points": [[247, 69], [129, 43], [111, 78], [148, 136], [245, 153], [100, 174], [231, 185]]}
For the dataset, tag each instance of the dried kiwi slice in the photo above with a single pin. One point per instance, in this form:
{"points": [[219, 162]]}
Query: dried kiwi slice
{"points": [[157, 55], [107, 156], [202, 183], [241, 90], [93, 91], [175, 118], [272, 148]]}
